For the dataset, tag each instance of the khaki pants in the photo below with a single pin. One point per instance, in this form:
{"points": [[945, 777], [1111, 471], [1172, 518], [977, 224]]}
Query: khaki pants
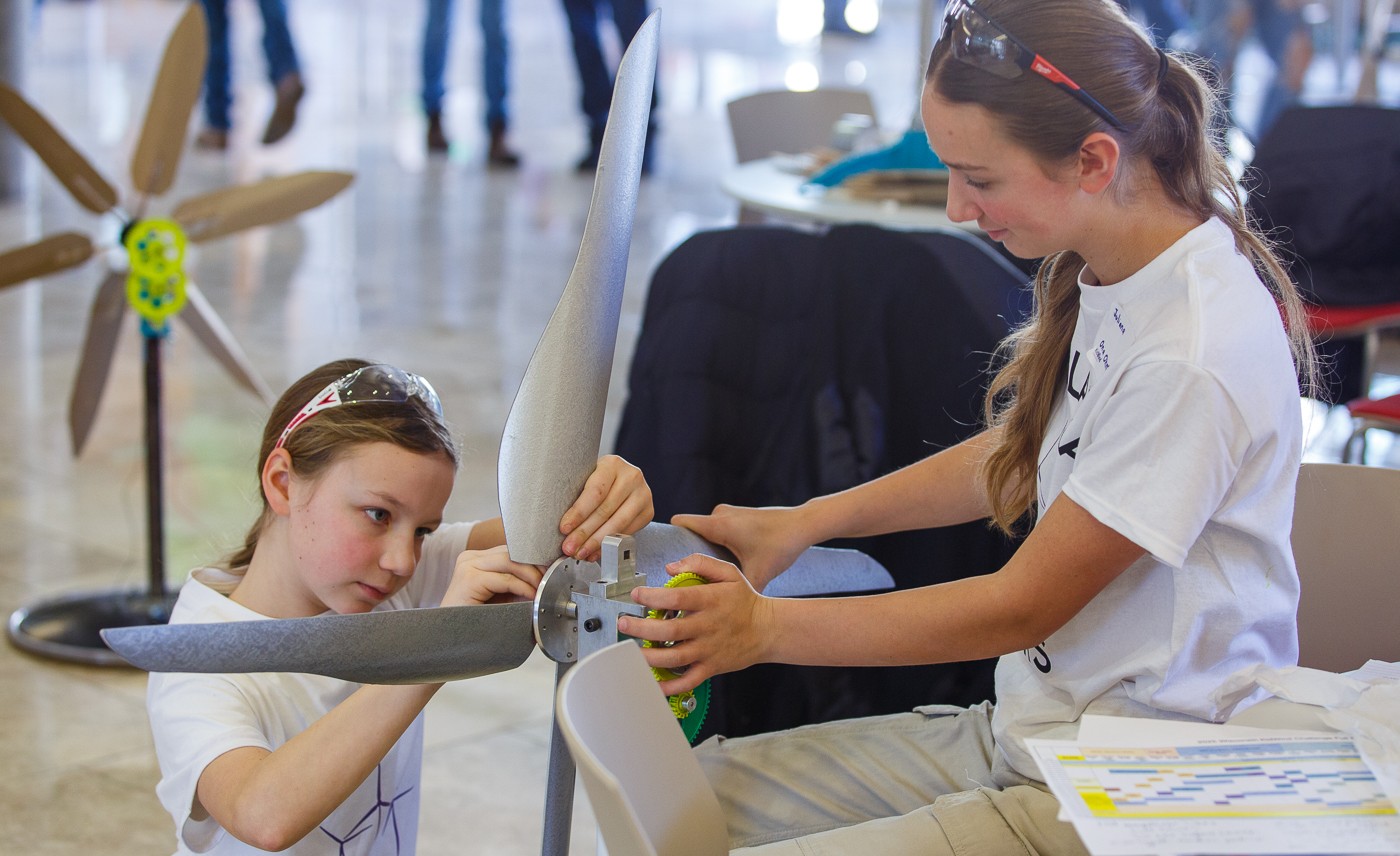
{"points": [[927, 782]]}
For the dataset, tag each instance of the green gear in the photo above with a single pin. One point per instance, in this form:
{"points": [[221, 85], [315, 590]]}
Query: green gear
{"points": [[155, 285], [691, 706]]}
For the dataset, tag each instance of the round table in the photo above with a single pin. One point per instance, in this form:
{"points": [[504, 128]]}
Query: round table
{"points": [[773, 185]]}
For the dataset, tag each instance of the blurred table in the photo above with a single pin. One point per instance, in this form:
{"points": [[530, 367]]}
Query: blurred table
{"points": [[774, 185]]}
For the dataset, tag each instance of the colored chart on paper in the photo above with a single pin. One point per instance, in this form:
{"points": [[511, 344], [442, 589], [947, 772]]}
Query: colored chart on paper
{"points": [[1323, 779]]}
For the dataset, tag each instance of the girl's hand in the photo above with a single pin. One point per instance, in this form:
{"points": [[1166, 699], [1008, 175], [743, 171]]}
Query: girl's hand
{"points": [[766, 541], [489, 576], [723, 625], [615, 501]]}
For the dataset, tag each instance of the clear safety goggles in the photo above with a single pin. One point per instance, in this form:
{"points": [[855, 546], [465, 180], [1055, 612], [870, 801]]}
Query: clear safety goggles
{"points": [[978, 40], [377, 383]]}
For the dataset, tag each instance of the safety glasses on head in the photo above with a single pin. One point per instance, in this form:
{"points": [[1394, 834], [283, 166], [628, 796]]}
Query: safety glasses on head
{"points": [[978, 40], [369, 384]]}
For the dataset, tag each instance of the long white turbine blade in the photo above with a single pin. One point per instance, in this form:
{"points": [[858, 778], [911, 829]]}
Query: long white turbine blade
{"points": [[211, 332], [233, 209], [42, 258], [181, 75], [406, 646], [552, 435], [71, 168], [103, 329]]}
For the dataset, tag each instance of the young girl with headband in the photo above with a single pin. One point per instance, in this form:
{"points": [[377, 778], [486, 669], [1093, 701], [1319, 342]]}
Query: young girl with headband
{"points": [[356, 466], [1145, 424]]}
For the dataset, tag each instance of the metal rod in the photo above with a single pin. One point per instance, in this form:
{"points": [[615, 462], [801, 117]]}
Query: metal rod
{"points": [[559, 787], [14, 28], [155, 501]]}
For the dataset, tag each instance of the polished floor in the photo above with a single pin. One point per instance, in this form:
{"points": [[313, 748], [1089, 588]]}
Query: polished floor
{"points": [[436, 264]]}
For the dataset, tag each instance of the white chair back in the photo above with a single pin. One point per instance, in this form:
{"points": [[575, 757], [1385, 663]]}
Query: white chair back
{"points": [[765, 123], [645, 785], [1346, 541]]}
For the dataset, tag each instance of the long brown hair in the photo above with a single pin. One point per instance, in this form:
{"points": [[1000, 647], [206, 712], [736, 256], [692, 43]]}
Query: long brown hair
{"points": [[321, 440], [1167, 108]]}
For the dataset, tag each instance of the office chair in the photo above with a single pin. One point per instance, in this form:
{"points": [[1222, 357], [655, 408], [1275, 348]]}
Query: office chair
{"points": [[645, 785], [1346, 541], [775, 365], [1366, 414], [1325, 183]]}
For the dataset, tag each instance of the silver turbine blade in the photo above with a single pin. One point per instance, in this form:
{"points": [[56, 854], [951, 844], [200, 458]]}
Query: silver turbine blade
{"points": [[551, 438], [211, 331], [405, 646], [819, 570], [103, 329]]}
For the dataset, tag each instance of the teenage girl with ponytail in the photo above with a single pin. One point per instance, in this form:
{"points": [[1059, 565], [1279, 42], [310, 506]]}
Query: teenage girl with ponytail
{"points": [[1144, 426]]}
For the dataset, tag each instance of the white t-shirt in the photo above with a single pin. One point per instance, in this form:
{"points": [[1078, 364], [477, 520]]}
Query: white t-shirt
{"points": [[1180, 429], [196, 718]]}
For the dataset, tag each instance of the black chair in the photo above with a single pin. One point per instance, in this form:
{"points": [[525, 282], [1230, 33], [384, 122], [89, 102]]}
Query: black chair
{"points": [[776, 365], [1325, 181]]}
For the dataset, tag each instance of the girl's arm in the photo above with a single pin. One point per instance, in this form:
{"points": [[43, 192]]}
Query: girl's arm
{"points": [[1064, 563], [272, 800], [941, 490]]}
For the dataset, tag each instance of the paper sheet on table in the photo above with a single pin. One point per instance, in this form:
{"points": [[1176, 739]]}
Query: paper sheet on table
{"points": [[1229, 791], [1363, 704]]}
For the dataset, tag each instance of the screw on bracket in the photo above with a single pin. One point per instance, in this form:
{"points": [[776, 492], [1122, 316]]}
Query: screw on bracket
{"points": [[593, 625]]}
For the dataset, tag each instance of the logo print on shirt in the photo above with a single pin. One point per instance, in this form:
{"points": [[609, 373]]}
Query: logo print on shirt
{"points": [[377, 812], [1040, 660], [1083, 389]]}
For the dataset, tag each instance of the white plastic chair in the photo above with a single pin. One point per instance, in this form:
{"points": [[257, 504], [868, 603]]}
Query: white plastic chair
{"points": [[1346, 541], [787, 122], [647, 790], [791, 122]]}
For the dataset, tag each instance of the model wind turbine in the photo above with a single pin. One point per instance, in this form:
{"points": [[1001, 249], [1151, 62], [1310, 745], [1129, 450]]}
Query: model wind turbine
{"points": [[550, 445], [153, 282]]}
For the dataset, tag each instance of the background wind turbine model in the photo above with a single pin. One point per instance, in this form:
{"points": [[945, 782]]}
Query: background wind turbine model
{"points": [[549, 448], [151, 279]]}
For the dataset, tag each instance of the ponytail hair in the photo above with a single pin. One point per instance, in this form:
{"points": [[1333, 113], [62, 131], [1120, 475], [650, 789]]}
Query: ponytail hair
{"points": [[324, 438], [1168, 111]]}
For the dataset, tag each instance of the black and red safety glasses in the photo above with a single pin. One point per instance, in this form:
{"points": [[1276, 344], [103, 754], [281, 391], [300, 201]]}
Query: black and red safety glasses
{"points": [[978, 40]]}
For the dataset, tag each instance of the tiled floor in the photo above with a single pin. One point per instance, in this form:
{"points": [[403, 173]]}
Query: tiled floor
{"points": [[435, 264]]}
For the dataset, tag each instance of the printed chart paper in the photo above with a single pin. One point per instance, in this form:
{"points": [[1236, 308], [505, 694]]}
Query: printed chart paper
{"points": [[1306, 794]]}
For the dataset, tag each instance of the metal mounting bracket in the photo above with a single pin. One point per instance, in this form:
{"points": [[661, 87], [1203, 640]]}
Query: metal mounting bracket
{"points": [[578, 603]]}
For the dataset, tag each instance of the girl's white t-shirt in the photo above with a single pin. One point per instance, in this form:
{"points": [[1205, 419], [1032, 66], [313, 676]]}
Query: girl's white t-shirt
{"points": [[195, 718], [1179, 427]]}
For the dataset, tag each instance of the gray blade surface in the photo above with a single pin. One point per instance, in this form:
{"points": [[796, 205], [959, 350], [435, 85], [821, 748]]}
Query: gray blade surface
{"points": [[406, 646], [551, 438], [819, 570], [211, 331], [103, 329]]}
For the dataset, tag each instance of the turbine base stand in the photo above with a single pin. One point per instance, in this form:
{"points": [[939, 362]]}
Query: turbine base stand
{"points": [[67, 627]]}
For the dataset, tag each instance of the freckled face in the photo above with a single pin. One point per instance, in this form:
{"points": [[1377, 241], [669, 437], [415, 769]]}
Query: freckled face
{"points": [[996, 182], [356, 532]]}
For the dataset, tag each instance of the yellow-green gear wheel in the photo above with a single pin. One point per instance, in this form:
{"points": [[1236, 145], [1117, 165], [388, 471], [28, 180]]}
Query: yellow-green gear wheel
{"points": [[691, 706]]}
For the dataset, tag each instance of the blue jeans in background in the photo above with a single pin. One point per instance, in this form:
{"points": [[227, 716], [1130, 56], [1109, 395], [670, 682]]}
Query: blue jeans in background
{"points": [[277, 47], [436, 32], [1273, 26], [594, 75]]}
